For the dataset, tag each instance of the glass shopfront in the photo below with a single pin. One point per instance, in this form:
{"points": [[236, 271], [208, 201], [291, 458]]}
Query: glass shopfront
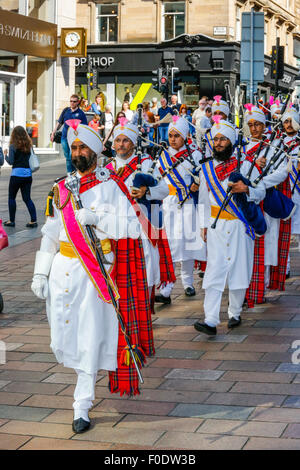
{"points": [[26, 80]]}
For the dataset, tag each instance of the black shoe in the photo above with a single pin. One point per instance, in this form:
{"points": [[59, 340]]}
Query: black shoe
{"points": [[287, 276], [233, 322], [160, 299], [80, 425], [190, 291], [204, 328], [8, 223], [32, 225]]}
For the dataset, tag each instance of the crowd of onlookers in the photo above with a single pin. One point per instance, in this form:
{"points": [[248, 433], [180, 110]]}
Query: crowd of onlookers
{"points": [[156, 116]]}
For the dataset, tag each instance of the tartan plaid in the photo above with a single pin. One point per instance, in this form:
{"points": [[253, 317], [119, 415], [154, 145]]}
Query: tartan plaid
{"points": [[167, 273], [134, 306], [224, 169], [130, 168], [165, 258], [175, 157], [88, 182], [256, 289], [278, 273], [251, 153]]}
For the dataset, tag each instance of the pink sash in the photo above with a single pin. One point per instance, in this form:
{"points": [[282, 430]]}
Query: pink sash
{"points": [[82, 247]]}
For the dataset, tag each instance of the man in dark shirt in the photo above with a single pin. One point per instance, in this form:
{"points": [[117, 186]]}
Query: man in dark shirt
{"points": [[162, 112], [72, 112]]}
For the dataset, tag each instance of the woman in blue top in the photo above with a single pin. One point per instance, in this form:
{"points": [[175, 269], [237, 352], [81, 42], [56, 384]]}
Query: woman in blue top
{"points": [[21, 176]]}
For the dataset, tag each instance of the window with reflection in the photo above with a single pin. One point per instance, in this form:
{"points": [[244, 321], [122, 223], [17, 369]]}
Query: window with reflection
{"points": [[107, 23], [173, 20]]}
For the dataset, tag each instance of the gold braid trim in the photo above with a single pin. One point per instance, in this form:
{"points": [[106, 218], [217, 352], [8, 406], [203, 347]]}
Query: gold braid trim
{"points": [[57, 199]]}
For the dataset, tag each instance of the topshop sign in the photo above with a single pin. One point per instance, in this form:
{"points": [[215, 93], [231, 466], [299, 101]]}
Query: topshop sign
{"points": [[103, 61]]}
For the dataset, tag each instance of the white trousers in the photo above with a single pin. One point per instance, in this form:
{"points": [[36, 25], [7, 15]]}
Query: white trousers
{"points": [[212, 304], [85, 390], [187, 277]]}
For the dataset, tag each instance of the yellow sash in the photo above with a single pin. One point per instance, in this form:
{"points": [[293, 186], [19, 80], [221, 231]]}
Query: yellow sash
{"points": [[66, 249], [223, 215]]}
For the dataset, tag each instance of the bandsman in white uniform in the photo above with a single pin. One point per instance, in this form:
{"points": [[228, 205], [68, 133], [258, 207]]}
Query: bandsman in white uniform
{"points": [[230, 245]]}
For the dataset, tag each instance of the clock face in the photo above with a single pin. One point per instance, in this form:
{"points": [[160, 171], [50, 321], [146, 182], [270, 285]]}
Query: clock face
{"points": [[72, 39]]}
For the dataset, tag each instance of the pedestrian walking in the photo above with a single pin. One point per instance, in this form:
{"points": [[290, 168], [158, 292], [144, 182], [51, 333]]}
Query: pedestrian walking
{"points": [[72, 112], [18, 157]]}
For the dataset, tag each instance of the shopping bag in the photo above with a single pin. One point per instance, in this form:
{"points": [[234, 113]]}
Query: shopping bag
{"points": [[33, 161], [3, 237]]}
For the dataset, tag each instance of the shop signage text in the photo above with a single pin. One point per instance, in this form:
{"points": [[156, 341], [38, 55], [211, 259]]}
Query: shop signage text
{"points": [[25, 35], [95, 61]]}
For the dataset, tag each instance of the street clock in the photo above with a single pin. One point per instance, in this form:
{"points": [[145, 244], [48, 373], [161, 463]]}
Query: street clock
{"points": [[73, 42]]}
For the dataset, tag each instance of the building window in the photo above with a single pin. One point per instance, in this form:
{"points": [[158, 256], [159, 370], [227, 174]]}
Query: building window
{"points": [[238, 24], [107, 23], [173, 20]]}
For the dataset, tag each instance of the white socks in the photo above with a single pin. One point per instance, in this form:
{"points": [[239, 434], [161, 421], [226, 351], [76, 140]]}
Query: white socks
{"points": [[84, 414]]}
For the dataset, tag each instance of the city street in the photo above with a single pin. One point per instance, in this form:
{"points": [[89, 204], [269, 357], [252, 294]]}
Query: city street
{"points": [[238, 390]]}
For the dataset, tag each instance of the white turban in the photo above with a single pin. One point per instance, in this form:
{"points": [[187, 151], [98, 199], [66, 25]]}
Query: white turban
{"points": [[129, 130], [85, 134], [254, 113], [277, 106], [180, 125], [292, 114], [220, 105], [224, 128]]}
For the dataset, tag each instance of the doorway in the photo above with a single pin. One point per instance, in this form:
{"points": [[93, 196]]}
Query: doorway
{"points": [[7, 95]]}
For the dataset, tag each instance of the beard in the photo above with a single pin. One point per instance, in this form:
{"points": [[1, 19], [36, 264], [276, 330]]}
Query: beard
{"points": [[224, 155], [83, 164]]}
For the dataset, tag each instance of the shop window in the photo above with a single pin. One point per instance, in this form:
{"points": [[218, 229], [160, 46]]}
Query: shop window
{"points": [[107, 23], [40, 100], [173, 20]]}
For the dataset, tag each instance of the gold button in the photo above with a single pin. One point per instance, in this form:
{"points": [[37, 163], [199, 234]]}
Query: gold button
{"points": [[67, 305], [67, 274], [67, 321], [67, 290], [92, 208]]}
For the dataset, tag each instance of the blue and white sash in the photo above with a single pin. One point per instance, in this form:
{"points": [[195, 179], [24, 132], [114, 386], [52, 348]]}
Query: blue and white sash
{"points": [[293, 177], [219, 195], [174, 176]]}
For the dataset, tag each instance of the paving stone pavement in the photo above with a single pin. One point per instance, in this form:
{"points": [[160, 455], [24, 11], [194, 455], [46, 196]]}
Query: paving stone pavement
{"points": [[239, 390]]}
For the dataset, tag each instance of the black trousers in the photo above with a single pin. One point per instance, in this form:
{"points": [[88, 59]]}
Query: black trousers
{"points": [[24, 184]]}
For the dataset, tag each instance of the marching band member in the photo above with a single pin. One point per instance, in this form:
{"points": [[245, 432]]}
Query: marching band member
{"points": [[291, 127], [230, 245], [158, 258], [182, 223], [85, 333], [266, 246]]}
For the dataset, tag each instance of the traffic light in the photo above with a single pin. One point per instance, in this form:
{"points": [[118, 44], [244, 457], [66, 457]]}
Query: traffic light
{"points": [[92, 77], [175, 81], [163, 84], [277, 62], [280, 62], [156, 78]]}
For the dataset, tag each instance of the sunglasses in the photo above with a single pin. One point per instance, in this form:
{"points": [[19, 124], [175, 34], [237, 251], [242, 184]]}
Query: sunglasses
{"points": [[73, 101]]}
